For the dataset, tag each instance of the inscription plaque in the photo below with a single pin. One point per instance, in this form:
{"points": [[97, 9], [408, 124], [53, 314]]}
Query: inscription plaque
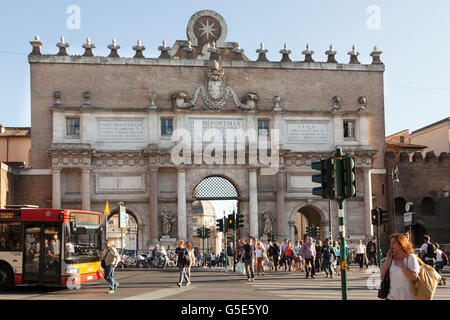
{"points": [[120, 130], [307, 131], [199, 126]]}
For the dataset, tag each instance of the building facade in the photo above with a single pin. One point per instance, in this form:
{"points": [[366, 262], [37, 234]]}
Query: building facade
{"points": [[108, 128]]}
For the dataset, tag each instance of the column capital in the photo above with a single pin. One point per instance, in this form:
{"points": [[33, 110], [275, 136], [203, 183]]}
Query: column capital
{"points": [[56, 169], [86, 170], [153, 169], [181, 169]]}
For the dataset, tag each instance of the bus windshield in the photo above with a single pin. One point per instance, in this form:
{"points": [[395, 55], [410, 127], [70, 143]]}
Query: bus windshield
{"points": [[82, 243]]}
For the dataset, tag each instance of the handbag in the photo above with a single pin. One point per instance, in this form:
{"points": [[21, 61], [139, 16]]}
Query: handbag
{"points": [[103, 262], [425, 286], [385, 284]]}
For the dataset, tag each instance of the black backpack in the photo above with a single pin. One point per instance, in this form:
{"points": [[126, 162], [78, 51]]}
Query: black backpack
{"points": [[431, 251]]}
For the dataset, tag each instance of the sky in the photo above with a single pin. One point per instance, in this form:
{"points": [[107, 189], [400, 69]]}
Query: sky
{"points": [[413, 36]]}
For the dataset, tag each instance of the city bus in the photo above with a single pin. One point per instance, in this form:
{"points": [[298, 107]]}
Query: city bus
{"points": [[55, 247]]}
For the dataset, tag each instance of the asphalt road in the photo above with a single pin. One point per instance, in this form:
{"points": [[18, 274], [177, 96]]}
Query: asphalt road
{"points": [[215, 285]]}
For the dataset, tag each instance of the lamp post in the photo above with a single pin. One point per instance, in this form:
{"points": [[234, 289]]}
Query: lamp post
{"points": [[394, 176]]}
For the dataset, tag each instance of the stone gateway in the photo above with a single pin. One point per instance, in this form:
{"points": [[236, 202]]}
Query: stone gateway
{"points": [[104, 128]]}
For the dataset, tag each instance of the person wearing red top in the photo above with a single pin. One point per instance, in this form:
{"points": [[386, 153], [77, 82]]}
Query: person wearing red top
{"points": [[288, 256]]}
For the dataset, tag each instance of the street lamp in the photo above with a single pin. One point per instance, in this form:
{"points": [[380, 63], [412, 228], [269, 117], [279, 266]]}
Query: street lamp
{"points": [[394, 175]]}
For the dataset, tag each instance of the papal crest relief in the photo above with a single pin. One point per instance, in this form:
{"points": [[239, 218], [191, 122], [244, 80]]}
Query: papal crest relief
{"points": [[216, 93]]}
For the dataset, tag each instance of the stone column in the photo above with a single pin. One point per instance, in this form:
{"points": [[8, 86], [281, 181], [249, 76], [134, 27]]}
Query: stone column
{"points": [[153, 203], [253, 202], [367, 202], [182, 234], [280, 205], [86, 189], [56, 188]]}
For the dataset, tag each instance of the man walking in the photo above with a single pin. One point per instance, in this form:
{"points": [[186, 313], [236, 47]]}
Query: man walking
{"points": [[428, 251], [327, 253], [308, 253], [230, 256], [183, 261], [249, 254], [371, 249], [111, 257]]}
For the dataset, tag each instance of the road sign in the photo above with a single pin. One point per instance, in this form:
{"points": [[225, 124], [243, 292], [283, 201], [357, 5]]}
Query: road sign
{"points": [[409, 218]]}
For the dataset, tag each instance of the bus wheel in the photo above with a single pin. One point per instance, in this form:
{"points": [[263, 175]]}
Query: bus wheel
{"points": [[6, 278]]}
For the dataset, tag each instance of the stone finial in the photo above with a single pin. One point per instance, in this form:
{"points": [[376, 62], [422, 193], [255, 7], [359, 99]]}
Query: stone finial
{"points": [[87, 98], [152, 96], [238, 52], [430, 156], [417, 157], [331, 55], [375, 54], [164, 50], [308, 54], [37, 45], [276, 100], [262, 53], [285, 52], [138, 48], [62, 45], [353, 56], [214, 51], [88, 46], [189, 50], [114, 47], [57, 98], [362, 103], [336, 104]]}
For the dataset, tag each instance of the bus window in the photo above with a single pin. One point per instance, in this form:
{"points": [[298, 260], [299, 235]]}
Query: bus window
{"points": [[52, 249], [10, 236], [82, 244]]}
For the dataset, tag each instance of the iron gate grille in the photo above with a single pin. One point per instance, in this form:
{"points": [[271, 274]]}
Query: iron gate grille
{"points": [[215, 188]]}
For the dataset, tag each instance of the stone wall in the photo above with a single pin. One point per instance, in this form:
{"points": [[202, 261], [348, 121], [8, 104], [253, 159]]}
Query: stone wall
{"points": [[421, 178]]}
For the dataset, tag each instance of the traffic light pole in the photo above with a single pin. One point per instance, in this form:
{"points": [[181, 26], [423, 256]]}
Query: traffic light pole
{"points": [[225, 248], [378, 247], [234, 243]]}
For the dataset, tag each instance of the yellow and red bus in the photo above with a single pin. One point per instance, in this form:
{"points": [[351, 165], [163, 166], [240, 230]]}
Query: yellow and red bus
{"points": [[49, 246]]}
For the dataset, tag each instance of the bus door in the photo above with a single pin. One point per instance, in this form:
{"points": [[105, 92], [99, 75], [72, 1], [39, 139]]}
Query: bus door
{"points": [[42, 256]]}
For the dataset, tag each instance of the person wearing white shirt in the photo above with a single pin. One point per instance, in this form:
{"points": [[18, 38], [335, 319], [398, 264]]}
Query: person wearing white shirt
{"points": [[403, 268], [360, 253], [439, 264]]}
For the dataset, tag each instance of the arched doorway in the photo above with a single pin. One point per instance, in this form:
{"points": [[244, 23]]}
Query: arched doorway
{"points": [[125, 238], [214, 197], [307, 216], [417, 233]]}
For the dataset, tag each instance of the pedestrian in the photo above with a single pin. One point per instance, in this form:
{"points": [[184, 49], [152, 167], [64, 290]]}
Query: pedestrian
{"points": [[371, 249], [248, 254], [111, 258], [327, 256], [288, 254], [182, 255], [441, 261], [213, 260], [302, 262], [259, 258], [297, 256], [222, 258], [276, 255], [403, 268], [199, 258], [337, 253], [230, 256], [190, 250], [428, 251], [360, 253], [308, 251], [270, 255], [319, 256]]}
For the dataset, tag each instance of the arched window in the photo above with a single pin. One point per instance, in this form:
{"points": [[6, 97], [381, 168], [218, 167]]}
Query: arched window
{"points": [[399, 206], [427, 206]]}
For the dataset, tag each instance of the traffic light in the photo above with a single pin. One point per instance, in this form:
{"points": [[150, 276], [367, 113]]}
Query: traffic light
{"points": [[200, 232], [384, 215], [230, 221], [269, 237], [274, 237], [375, 218], [325, 178], [308, 231], [240, 221], [316, 231], [349, 177], [219, 224], [207, 233]]}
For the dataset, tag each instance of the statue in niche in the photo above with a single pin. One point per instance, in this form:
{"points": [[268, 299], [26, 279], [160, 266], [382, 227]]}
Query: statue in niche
{"points": [[268, 221], [167, 220]]}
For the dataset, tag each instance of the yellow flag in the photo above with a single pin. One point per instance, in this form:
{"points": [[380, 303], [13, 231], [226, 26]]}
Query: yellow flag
{"points": [[107, 208]]}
